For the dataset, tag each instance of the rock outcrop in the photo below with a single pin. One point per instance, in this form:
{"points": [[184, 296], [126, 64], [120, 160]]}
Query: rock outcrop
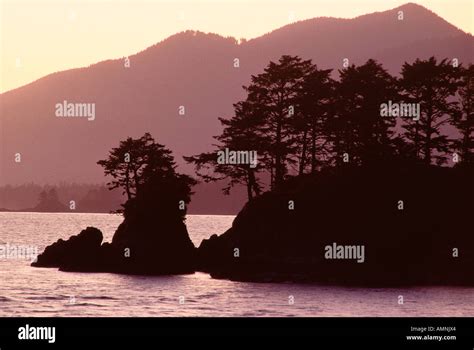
{"points": [[412, 221], [383, 225], [152, 240], [81, 252]]}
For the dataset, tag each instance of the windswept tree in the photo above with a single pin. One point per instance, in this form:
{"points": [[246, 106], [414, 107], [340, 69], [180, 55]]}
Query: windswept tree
{"points": [[266, 122], [463, 119], [311, 117], [298, 119], [239, 135], [357, 127], [432, 85], [136, 163], [275, 96]]}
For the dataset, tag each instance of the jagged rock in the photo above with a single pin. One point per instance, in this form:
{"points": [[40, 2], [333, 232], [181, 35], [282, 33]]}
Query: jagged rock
{"points": [[79, 252]]}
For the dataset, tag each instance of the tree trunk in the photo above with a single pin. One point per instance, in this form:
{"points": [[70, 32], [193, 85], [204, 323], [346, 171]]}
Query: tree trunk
{"points": [[303, 152], [278, 155], [467, 156], [272, 174], [417, 139], [428, 146], [252, 185], [313, 147], [127, 183]]}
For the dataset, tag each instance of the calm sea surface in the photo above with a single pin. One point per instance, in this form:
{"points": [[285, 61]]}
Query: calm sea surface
{"points": [[27, 291]]}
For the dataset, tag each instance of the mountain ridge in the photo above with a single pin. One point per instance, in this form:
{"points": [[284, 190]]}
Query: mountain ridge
{"points": [[339, 20]]}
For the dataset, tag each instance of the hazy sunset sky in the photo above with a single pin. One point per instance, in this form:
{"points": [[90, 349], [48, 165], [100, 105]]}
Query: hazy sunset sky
{"points": [[38, 37]]}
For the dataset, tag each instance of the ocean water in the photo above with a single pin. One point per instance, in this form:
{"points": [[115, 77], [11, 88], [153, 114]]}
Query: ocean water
{"points": [[27, 291]]}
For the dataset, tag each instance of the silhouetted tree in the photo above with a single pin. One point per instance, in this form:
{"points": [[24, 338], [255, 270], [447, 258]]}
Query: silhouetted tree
{"points": [[296, 114], [432, 85], [136, 162], [274, 96], [239, 134], [53, 194], [43, 196], [463, 119], [49, 201], [357, 127], [311, 116], [265, 122]]}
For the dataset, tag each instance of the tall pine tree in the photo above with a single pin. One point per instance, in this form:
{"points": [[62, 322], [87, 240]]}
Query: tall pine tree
{"points": [[432, 85], [357, 128], [464, 118]]}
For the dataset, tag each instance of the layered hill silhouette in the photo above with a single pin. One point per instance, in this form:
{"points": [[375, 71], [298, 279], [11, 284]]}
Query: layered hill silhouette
{"points": [[197, 71]]}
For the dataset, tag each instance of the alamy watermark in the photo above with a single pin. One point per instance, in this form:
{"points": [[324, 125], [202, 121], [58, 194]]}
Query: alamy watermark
{"points": [[402, 109], [78, 109], [227, 156], [18, 252], [336, 251], [37, 333]]}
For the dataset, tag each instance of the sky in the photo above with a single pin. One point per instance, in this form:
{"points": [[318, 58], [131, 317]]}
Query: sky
{"points": [[39, 37]]}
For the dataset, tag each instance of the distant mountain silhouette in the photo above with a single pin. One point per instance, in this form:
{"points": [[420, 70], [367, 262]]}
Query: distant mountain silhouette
{"points": [[86, 198], [194, 70]]}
